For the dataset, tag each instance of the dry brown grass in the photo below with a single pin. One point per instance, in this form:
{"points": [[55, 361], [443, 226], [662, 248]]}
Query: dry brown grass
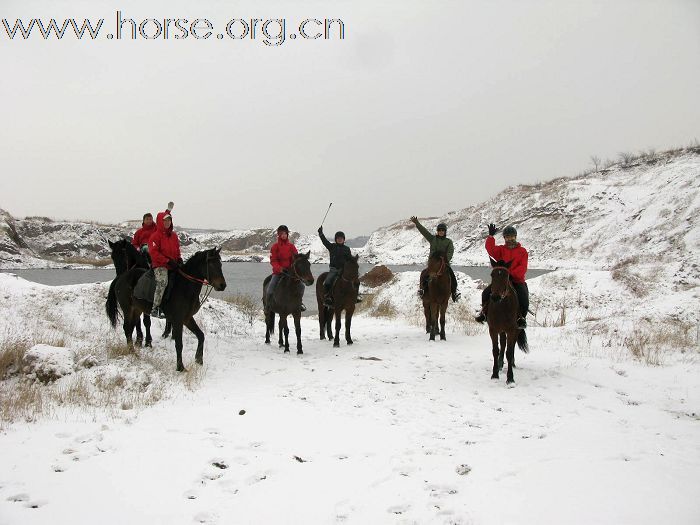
{"points": [[461, 316], [20, 401], [385, 309], [13, 347], [118, 349], [249, 306]]}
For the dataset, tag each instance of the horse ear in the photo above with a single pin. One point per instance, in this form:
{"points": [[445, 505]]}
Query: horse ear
{"points": [[218, 250], [307, 254], [493, 262], [357, 257]]}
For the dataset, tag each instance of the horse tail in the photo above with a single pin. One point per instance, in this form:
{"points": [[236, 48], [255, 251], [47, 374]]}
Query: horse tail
{"points": [[522, 342], [111, 305]]}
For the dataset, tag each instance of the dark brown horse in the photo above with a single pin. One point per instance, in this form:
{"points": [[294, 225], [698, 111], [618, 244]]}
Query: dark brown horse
{"points": [[344, 294], [286, 300], [202, 268], [125, 256], [502, 319], [436, 297]]}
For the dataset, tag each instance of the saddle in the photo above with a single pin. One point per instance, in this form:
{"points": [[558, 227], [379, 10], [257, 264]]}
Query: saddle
{"points": [[145, 287]]}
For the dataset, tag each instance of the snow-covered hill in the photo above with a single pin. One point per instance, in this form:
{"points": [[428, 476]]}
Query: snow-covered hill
{"points": [[649, 209]]}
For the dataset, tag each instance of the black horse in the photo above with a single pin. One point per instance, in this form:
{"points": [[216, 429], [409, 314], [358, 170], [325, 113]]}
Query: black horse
{"points": [[125, 256], [344, 295], [286, 300], [202, 268]]}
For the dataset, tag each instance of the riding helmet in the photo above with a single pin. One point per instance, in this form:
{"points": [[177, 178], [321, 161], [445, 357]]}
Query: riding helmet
{"points": [[510, 230], [339, 234], [282, 228], [442, 226]]}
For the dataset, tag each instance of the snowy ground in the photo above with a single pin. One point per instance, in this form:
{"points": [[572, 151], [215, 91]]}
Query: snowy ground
{"points": [[391, 430]]}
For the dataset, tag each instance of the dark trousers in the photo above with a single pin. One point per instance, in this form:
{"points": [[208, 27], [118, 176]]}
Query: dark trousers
{"points": [[521, 291], [330, 279]]}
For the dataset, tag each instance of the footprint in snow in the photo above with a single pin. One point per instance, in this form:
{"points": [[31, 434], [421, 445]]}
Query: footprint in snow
{"points": [[399, 509], [205, 517]]}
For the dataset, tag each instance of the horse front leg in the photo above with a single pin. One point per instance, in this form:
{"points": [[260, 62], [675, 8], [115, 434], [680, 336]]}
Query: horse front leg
{"points": [[269, 325], [348, 322], [147, 326], [443, 310], [280, 329], [510, 355], [297, 330], [329, 324], [322, 321], [433, 320], [286, 335], [336, 339], [177, 335], [192, 327], [502, 338], [426, 313], [495, 352]]}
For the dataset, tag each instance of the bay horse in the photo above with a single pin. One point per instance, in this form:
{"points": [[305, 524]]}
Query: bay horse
{"points": [[202, 268], [437, 295], [344, 293], [502, 318], [125, 256], [286, 300]]}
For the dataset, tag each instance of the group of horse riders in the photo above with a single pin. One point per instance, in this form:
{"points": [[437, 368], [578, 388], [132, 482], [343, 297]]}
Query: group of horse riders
{"points": [[159, 241]]}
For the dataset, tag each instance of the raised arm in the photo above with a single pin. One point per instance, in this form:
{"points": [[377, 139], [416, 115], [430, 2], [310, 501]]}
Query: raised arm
{"points": [[425, 233], [325, 241]]}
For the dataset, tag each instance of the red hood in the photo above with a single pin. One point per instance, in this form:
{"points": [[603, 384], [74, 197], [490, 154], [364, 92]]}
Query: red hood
{"points": [[159, 222]]}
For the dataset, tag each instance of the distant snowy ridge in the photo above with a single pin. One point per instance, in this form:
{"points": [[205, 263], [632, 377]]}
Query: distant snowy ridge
{"points": [[650, 209]]}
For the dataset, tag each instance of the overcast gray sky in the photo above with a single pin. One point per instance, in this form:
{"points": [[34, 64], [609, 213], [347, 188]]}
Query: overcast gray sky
{"points": [[425, 107]]}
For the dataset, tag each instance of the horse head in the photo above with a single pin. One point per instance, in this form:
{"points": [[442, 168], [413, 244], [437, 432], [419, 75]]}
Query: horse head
{"points": [[207, 265], [119, 255], [500, 280], [437, 264], [351, 269], [301, 268]]}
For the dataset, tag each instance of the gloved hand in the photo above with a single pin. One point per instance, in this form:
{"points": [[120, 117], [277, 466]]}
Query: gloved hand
{"points": [[320, 229], [414, 219], [492, 229], [172, 264]]}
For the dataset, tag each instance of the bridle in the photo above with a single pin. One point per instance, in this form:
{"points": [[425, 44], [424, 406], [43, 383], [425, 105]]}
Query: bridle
{"points": [[203, 282], [443, 264], [508, 287]]}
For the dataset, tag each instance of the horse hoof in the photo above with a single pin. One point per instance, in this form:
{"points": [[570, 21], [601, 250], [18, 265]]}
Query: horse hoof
{"points": [[199, 361], [494, 376], [299, 352], [181, 369], [148, 344], [286, 350], [139, 343], [336, 345], [349, 342], [443, 338], [510, 383]]}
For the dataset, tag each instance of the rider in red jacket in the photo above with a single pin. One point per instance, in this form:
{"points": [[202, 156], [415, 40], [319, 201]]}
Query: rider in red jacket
{"points": [[512, 252], [164, 247], [281, 256], [143, 234]]}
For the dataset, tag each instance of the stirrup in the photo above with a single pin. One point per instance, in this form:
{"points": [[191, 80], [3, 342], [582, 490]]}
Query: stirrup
{"points": [[456, 296], [303, 308], [481, 317], [421, 292], [522, 323]]}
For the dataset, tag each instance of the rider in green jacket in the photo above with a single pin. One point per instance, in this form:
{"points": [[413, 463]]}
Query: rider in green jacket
{"points": [[438, 243]]}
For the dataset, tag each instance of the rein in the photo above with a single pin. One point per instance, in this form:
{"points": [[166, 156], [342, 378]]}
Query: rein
{"points": [[509, 286], [204, 282]]}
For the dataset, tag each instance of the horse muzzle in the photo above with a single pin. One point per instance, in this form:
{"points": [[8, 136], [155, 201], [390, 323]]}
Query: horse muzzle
{"points": [[308, 282], [219, 285]]}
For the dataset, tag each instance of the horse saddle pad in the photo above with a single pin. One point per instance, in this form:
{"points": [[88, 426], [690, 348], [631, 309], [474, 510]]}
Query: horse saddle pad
{"points": [[145, 287]]}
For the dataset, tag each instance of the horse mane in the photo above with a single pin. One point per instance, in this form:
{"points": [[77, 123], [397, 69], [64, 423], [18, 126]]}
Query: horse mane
{"points": [[196, 259]]}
